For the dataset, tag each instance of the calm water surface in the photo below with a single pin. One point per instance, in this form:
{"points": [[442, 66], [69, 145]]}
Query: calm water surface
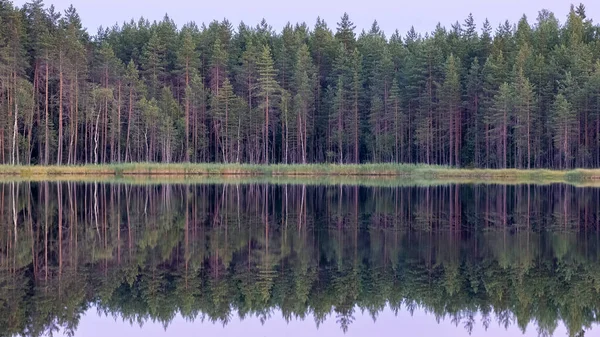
{"points": [[90, 259]]}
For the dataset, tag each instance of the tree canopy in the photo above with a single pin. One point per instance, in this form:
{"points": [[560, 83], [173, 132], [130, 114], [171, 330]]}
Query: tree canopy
{"points": [[523, 95]]}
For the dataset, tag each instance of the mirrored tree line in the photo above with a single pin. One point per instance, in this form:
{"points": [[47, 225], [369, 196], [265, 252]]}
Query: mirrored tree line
{"points": [[211, 252], [520, 95]]}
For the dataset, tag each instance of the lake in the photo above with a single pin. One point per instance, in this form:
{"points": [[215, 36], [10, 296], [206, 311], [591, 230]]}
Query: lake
{"points": [[271, 258]]}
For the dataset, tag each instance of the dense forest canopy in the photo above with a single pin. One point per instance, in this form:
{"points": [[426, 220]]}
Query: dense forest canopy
{"points": [[523, 94], [477, 255]]}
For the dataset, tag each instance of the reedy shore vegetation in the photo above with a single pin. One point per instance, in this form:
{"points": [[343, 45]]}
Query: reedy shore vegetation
{"points": [[399, 174]]}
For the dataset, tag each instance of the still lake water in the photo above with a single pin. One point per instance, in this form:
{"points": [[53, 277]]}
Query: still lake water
{"points": [[260, 259]]}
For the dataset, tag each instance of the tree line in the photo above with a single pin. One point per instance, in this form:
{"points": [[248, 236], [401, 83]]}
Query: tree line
{"points": [[524, 95]]}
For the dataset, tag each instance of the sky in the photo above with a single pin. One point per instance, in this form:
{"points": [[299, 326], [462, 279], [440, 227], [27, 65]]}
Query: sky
{"points": [[419, 324], [390, 14]]}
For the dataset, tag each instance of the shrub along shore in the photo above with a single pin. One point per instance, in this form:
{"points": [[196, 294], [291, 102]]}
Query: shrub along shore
{"points": [[408, 171]]}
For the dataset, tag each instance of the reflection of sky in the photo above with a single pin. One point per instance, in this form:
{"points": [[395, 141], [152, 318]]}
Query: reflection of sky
{"points": [[387, 324]]}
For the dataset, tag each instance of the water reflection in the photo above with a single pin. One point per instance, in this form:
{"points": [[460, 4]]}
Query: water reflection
{"points": [[472, 254]]}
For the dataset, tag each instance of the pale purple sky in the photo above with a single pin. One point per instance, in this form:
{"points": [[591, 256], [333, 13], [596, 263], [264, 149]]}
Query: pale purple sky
{"points": [[391, 14], [420, 324]]}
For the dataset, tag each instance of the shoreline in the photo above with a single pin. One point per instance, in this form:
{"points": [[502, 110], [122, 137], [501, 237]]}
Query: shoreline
{"points": [[369, 171]]}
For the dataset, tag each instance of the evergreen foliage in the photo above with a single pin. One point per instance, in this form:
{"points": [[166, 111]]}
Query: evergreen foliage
{"points": [[458, 96]]}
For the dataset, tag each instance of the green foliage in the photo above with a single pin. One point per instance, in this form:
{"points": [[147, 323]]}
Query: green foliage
{"points": [[310, 94], [564, 121]]}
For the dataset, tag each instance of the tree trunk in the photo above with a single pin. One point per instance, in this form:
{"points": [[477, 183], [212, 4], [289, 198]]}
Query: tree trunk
{"points": [[96, 136], [267, 130], [187, 111], [226, 149], [504, 134], [129, 121], [356, 158], [47, 127], [15, 151], [528, 138], [33, 112], [60, 112], [76, 118], [119, 123]]}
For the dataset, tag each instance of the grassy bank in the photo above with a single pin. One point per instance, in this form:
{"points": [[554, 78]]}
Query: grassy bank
{"points": [[406, 171]]}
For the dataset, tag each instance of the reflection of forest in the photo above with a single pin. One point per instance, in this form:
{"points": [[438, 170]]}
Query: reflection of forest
{"points": [[515, 254]]}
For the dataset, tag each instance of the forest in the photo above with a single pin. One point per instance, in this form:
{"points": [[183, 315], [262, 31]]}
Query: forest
{"points": [[520, 95], [477, 255]]}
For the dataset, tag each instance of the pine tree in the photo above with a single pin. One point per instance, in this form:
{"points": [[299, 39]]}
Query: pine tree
{"points": [[218, 65], [345, 33], [525, 123], [593, 94], [197, 94], [267, 91], [153, 64], [499, 119], [356, 94], [565, 127], [133, 87], [452, 106], [322, 47], [12, 71], [188, 60], [170, 128], [399, 122], [494, 75], [473, 116], [338, 117], [304, 82], [66, 96], [224, 114]]}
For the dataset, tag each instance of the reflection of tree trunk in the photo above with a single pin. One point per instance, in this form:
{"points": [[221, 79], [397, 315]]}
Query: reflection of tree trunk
{"points": [[118, 224], [32, 237], [585, 215], [96, 210], [285, 207], [565, 208], [504, 212], [75, 207], [47, 124], [237, 188], [266, 203], [339, 212], [301, 220], [528, 208], [356, 225], [105, 220], [187, 226], [457, 207], [46, 206], [71, 221], [128, 220], [15, 197], [451, 202], [59, 201]]}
